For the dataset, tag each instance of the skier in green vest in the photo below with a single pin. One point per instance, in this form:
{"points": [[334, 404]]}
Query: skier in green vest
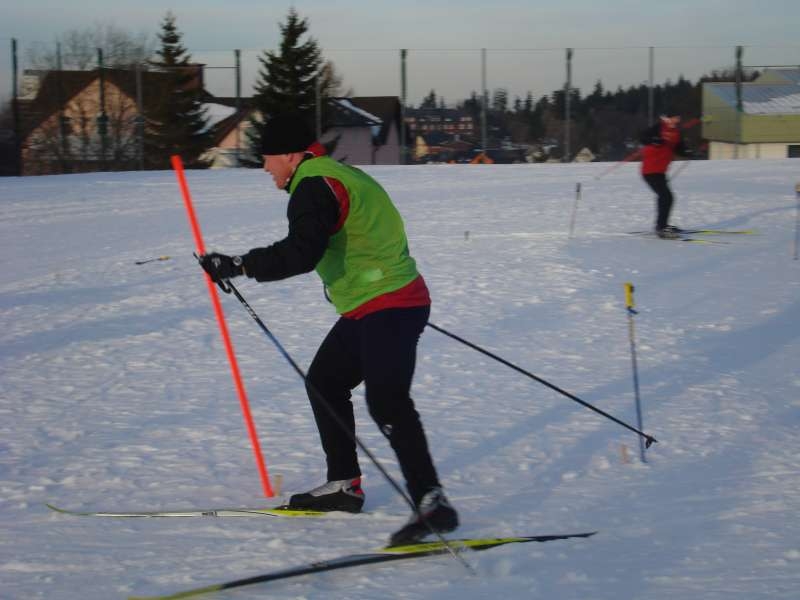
{"points": [[343, 224]]}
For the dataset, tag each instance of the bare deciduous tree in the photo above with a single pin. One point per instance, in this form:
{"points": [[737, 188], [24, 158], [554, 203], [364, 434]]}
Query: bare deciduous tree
{"points": [[121, 49]]}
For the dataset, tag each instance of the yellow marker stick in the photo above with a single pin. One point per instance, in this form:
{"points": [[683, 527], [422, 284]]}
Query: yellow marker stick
{"points": [[629, 295]]}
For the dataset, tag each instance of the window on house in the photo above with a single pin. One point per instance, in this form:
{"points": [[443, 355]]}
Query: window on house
{"points": [[793, 151]]}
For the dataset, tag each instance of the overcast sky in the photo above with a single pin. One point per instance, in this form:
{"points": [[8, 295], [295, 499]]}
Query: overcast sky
{"points": [[525, 38]]}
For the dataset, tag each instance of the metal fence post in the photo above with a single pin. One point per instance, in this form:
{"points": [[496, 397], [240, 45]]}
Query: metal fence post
{"points": [[318, 104], [238, 58], [650, 90], [484, 127], [15, 109], [102, 119], [403, 94], [62, 118], [567, 117], [139, 118], [739, 107]]}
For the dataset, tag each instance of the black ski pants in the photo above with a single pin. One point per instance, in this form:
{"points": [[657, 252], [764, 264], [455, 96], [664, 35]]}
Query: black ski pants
{"points": [[379, 349], [658, 183]]}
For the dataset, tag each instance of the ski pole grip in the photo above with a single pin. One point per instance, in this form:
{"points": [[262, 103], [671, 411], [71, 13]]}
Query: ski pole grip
{"points": [[629, 295]]}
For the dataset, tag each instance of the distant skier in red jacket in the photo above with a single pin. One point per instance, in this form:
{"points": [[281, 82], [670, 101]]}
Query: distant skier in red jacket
{"points": [[659, 145]]}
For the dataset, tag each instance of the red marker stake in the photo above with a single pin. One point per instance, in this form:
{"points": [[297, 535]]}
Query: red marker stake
{"points": [[177, 165]]}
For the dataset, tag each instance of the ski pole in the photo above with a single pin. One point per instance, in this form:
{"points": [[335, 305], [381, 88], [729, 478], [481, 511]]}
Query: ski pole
{"points": [[352, 435], [678, 170], [632, 156], [632, 336], [691, 123], [575, 209], [177, 165], [649, 440], [797, 222]]}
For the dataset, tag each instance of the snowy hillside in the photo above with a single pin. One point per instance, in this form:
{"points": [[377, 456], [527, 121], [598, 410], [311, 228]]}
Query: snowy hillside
{"points": [[115, 392]]}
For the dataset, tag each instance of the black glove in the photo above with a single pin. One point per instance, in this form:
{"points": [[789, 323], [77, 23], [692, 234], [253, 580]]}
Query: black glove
{"points": [[221, 266]]}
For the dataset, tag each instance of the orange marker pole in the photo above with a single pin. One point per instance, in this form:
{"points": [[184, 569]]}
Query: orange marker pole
{"points": [[177, 165]]}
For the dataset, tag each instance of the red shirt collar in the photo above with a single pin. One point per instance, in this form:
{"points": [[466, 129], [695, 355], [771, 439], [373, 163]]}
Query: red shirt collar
{"points": [[316, 149]]}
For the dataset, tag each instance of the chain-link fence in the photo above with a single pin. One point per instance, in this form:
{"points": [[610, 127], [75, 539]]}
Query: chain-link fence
{"points": [[67, 121]]}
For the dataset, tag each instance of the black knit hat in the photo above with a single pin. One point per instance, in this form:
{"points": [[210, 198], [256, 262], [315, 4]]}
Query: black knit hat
{"points": [[286, 133]]}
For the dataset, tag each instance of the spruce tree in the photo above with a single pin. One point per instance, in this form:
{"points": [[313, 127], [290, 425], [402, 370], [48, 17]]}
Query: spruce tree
{"points": [[176, 121], [287, 79], [429, 101]]}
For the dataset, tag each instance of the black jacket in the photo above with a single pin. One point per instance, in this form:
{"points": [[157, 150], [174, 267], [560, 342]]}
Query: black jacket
{"points": [[313, 212]]}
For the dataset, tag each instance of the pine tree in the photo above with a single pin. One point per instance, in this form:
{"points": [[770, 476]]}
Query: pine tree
{"points": [[177, 123], [500, 100], [429, 101], [528, 107], [287, 79]]}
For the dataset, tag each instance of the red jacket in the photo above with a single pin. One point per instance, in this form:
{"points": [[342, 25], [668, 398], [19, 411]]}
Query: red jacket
{"points": [[661, 143]]}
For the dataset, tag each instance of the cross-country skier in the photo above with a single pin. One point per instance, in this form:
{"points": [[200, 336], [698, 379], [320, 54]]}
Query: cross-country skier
{"points": [[343, 224], [659, 145]]}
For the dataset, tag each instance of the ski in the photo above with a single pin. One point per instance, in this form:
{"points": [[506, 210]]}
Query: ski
{"points": [[705, 232], [353, 560], [719, 231], [682, 238], [692, 240], [277, 511]]}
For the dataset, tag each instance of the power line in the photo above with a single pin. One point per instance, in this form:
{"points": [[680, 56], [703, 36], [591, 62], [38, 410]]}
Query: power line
{"points": [[531, 49]]}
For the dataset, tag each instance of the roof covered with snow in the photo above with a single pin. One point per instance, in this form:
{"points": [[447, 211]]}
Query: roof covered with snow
{"points": [[347, 114], [780, 76], [216, 113], [761, 99]]}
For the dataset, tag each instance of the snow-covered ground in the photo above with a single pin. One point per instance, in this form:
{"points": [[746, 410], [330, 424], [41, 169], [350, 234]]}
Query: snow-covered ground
{"points": [[115, 392]]}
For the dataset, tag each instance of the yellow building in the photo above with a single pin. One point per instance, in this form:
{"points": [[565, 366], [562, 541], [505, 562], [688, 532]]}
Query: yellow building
{"points": [[768, 125]]}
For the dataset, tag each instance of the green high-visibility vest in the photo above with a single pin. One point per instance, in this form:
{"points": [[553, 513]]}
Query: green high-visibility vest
{"points": [[369, 255]]}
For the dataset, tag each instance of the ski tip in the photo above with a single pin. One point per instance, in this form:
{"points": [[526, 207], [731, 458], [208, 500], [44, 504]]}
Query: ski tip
{"points": [[186, 594]]}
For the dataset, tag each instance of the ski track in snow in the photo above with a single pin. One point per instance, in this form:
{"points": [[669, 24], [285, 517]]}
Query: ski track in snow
{"points": [[115, 392]]}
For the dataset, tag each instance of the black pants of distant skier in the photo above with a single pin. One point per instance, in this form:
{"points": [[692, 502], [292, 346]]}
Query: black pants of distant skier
{"points": [[658, 183], [379, 349]]}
